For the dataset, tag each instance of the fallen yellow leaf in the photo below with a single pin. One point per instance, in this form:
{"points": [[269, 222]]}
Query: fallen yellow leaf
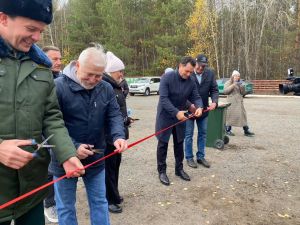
{"points": [[283, 216]]}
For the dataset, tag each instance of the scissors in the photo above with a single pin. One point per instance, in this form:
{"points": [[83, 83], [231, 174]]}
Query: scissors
{"points": [[99, 151], [41, 145]]}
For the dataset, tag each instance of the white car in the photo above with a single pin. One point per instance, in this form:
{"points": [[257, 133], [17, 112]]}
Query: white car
{"points": [[145, 86]]}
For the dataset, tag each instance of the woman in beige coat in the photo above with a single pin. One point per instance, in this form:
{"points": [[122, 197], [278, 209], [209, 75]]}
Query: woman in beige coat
{"points": [[236, 113]]}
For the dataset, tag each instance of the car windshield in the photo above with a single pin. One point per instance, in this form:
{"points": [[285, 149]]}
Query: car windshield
{"points": [[142, 80]]}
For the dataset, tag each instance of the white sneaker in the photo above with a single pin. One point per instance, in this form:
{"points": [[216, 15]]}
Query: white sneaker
{"points": [[51, 214]]}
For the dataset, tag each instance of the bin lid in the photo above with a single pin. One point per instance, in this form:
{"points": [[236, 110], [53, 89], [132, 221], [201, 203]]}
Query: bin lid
{"points": [[223, 104]]}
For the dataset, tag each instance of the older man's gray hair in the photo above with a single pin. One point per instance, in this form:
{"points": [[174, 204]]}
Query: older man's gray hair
{"points": [[94, 55]]}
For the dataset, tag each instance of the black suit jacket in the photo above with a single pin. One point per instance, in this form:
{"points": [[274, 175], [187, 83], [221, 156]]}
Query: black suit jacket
{"points": [[207, 88]]}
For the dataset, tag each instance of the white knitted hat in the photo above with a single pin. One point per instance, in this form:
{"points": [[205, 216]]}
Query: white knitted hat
{"points": [[113, 63], [235, 72]]}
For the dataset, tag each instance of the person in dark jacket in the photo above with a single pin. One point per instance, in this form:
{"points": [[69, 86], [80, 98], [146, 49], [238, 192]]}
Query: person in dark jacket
{"points": [[54, 55], [207, 87], [175, 89], [124, 85], [29, 110], [114, 70], [90, 109]]}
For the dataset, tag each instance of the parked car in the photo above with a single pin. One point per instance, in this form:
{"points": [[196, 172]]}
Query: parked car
{"points": [[248, 85], [145, 86]]}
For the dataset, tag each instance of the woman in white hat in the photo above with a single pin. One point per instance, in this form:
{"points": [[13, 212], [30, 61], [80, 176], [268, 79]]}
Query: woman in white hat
{"points": [[114, 73], [236, 113]]}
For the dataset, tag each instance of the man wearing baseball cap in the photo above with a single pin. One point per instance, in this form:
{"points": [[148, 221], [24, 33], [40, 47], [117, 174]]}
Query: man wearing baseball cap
{"points": [[207, 87], [29, 105]]}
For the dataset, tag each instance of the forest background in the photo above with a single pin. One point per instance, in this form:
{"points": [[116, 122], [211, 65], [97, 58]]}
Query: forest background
{"points": [[260, 38]]}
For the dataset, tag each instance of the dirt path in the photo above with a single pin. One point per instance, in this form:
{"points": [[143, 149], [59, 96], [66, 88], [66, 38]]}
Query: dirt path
{"points": [[253, 181]]}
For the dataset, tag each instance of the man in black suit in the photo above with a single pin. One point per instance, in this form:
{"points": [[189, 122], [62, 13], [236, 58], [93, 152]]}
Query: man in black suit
{"points": [[207, 87], [175, 89]]}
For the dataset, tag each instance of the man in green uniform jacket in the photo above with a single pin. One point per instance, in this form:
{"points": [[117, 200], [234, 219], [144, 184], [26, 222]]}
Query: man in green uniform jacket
{"points": [[28, 110]]}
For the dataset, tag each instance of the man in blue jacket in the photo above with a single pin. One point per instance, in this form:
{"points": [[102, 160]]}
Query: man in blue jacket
{"points": [[88, 105], [175, 89], [207, 87]]}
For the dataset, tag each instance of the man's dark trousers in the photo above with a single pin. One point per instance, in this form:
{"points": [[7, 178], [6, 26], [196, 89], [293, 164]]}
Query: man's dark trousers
{"points": [[162, 149]]}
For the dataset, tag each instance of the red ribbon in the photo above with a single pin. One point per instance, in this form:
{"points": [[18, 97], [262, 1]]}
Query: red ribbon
{"points": [[11, 202]]}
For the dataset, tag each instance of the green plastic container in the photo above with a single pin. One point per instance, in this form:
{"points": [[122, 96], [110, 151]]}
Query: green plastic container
{"points": [[216, 127], [130, 80]]}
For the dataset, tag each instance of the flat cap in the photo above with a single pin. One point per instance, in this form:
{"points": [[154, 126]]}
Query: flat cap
{"points": [[202, 59]]}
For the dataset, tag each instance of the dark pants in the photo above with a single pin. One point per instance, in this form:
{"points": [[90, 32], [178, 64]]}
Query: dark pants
{"points": [[34, 216], [112, 166], [162, 149], [49, 200]]}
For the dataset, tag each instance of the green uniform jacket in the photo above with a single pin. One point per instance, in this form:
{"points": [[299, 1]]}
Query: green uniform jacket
{"points": [[28, 109]]}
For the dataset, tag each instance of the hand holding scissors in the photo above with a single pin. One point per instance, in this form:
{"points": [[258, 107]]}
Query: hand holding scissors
{"points": [[12, 155]]}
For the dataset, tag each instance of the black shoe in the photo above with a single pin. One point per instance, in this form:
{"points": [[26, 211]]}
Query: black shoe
{"points": [[203, 162], [191, 163], [121, 199], [164, 179], [183, 175], [248, 133], [114, 208]]}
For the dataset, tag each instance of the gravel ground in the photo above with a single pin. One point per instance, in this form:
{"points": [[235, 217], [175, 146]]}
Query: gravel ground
{"points": [[254, 180]]}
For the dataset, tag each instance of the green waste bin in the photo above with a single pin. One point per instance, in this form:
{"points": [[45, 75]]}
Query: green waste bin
{"points": [[130, 80], [216, 127]]}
